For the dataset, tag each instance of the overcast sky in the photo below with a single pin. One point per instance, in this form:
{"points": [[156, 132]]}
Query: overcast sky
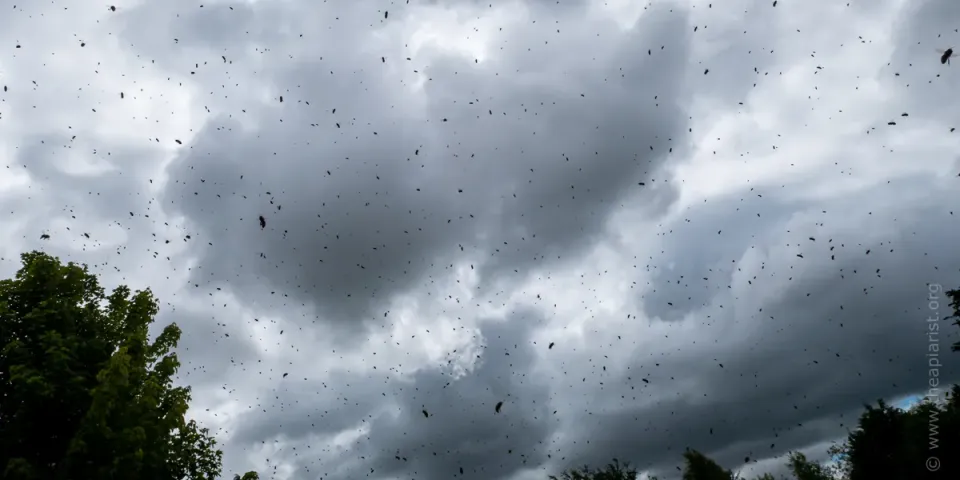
{"points": [[642, 226]]}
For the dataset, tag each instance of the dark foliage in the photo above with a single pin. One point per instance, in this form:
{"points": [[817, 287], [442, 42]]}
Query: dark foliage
{"points": [[83, 392]]}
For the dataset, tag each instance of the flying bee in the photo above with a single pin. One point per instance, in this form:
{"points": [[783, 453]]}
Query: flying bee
{"points": [[945, 55]]}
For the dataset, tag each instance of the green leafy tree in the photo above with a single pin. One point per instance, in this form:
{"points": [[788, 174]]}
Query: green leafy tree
{"points": [[896, 444], [876, 449], [613, 471], [804, 469], [84, 394], [698, 466], [247, 476], [954, 296]]}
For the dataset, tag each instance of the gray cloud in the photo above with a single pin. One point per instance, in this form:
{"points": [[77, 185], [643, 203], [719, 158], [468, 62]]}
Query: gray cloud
{"points": [[548, 134], [707, 250], [513, 438], [796, 369], [401, 440], [494, 168]]}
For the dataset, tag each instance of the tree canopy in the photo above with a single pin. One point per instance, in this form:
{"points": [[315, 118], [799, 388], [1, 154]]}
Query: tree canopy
{"points": [[613, 471], [84, 392]]}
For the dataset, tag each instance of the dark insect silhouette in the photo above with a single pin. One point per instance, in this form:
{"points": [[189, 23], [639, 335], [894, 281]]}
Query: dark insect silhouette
{"points": [[945, 56], [550, 346], [425, 414], [498, 407], [285, 375], [44, 237], [263, 222]]}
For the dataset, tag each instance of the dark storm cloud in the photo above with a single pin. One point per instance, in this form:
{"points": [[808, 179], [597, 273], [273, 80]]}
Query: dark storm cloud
{"points": [[435, 446], [722, 228], [335, 404], [797, 369], [510, 163]]}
